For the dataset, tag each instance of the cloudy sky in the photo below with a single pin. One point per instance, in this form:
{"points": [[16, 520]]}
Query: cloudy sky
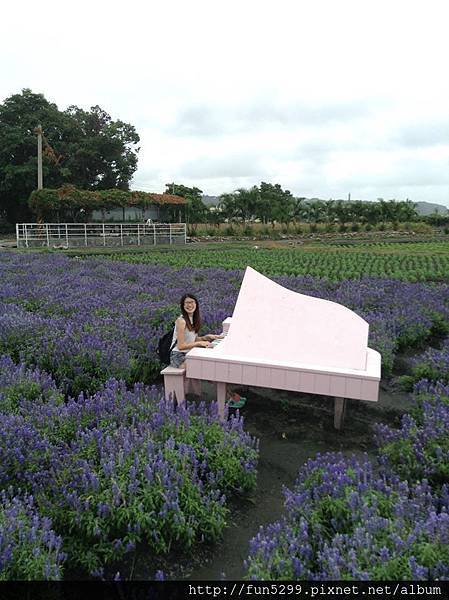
{"points": [[326, 98]]}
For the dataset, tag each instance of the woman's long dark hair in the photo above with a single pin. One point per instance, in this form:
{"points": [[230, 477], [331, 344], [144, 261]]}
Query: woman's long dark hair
{"points": [[196, 325]]}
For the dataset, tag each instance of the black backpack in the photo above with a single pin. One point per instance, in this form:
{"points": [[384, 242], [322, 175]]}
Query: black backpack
{"points": [[165, 347]]}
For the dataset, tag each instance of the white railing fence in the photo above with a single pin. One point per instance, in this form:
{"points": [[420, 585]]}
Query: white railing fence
{"points": [[73, 235]]}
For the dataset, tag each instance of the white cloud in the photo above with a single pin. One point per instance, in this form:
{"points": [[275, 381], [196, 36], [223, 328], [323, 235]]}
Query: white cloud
{"points": [[323, 97]]}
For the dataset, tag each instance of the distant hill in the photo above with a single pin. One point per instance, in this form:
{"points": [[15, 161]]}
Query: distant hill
{"points": [[210, 200], [427, 208]]}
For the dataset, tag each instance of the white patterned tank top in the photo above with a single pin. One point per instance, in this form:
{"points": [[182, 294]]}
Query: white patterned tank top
{"points": [[189, 337]]}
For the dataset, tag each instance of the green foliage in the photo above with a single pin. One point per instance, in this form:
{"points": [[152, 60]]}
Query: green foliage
{"points": [[268, 203], [437, 220], [82, 148], [12, 395], [241, 205], [70, 200], [420, 449], [279, 201], [142, 503], [407, 262], [221, 449], [196, 210], [30, 550]]}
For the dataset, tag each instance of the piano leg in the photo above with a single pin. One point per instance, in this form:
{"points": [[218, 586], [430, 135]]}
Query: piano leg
{"points": [[221, 399], [339, 412]]}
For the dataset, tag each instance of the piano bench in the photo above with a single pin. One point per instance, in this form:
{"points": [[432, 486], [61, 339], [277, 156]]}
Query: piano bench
{"points": [[176, 384]]}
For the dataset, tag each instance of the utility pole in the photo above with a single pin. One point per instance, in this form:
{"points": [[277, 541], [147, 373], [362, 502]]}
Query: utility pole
{"points": [[38, 130]]}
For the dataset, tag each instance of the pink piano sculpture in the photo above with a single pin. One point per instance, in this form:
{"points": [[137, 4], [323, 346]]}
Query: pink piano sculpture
{"points": [[284, 340]]}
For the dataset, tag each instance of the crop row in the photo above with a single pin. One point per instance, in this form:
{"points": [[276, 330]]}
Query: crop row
{"points": [[325, 263], [406, 246]]}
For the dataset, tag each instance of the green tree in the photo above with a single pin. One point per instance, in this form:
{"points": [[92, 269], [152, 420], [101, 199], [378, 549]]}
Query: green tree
{"points": [[372, 212], [246, 201], [300, 209], [408, 211], [393, 211], [317, 211], [83, 148], [342, 211], [359, 211], [101, 153], [196, 210], [227, 205], [388, 210], [241, 204], [277, 204], [329, 211]]}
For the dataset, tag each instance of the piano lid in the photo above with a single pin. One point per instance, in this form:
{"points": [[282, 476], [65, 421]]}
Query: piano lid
{"points": [[276, 324]]}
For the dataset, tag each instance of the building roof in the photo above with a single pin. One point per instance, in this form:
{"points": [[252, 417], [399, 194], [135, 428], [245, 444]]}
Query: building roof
{"points": [[167, 199]]}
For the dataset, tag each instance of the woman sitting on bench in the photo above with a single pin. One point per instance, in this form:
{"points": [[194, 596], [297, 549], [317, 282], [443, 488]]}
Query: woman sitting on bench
{"points": [[185, 334], [185, 337]]}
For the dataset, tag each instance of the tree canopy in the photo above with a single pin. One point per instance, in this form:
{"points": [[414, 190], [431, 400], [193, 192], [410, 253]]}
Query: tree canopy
{"points": [[196, 210], [269, 203], [86, 149]]}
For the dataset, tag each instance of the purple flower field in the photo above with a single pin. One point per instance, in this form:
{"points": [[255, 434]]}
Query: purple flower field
{"points": [[345, 521], [420, 448], [94, 458], [85, 321], [433, 364], [110, 471], [28, 544]]}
